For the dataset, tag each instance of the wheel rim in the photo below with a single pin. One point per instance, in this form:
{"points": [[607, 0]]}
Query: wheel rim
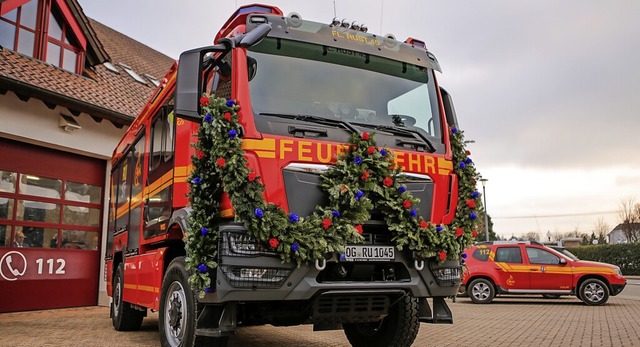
{"points": [[175, 314], [593, 292], [116, 298], [481, 291]]}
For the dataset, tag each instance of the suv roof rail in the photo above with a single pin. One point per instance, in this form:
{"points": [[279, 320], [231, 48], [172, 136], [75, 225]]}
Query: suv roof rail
{"points": [[509, 242]]}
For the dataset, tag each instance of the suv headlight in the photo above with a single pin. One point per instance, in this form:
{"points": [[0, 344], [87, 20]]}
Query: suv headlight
{"points": [[619, 271]]}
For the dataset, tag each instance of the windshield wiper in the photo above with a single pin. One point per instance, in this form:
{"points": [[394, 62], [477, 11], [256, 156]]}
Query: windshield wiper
{"points": [[312, 119], [405, 132]]}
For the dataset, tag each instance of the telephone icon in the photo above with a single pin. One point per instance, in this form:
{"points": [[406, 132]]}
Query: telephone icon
{"points": [[14, 271]]}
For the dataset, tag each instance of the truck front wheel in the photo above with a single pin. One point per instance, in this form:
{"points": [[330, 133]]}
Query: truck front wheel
{"points": [[177, 315], [399, 328]]}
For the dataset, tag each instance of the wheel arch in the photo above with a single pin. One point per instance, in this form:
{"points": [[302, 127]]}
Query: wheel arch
{"points": [[593, 276]]}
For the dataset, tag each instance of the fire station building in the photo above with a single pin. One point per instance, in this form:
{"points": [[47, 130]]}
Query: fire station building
{"points": [[69, 87]]}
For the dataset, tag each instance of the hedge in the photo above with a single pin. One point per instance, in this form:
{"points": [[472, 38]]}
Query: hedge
{"points": [[626, 256]]}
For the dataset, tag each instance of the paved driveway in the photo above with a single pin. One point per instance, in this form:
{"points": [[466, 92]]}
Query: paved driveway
{"points": [[521, 321]]}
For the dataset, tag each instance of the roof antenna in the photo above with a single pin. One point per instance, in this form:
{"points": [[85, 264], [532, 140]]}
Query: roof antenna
{"points": [[381, 13], [334, 9]]}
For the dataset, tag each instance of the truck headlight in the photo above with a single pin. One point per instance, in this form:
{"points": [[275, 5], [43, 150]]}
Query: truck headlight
{"points": [[241, 244]]}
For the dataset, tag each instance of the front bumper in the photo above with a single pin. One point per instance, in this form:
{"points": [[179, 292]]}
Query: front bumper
{"points": [[259, 276], [617, 288]]}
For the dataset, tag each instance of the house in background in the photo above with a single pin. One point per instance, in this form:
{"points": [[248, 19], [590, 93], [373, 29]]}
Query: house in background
{"points": [[69, 87], [617, 235]]}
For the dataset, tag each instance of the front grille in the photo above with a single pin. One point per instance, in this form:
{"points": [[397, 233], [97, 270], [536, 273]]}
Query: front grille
{"points": [[377, 236], [302, 187], [350, 308]]}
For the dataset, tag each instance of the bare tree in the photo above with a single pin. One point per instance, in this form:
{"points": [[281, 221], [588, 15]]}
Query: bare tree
{"points": [[532, 236], [601, 229], [629, 216]]}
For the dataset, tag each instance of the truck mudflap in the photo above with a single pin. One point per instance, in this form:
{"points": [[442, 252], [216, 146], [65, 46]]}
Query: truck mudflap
{"points": [[441, 313], [216, 320]]}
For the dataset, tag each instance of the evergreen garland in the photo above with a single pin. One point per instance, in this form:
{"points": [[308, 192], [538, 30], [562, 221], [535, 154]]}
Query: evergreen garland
{"points": [[363, 179]]}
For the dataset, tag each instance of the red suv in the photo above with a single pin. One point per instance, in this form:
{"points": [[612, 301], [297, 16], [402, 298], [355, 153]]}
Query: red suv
{"points": [[523, 267]]}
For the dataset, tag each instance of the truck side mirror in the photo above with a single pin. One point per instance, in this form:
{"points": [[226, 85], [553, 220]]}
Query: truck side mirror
{"points": [[190, 68], [450, 112], [189, 81]]}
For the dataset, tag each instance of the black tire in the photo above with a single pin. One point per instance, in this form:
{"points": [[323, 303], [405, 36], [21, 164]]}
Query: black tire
{"points": [[123, 316], [481, 291], [551, 296], [399, 328], [177, 315], [593, 292]]}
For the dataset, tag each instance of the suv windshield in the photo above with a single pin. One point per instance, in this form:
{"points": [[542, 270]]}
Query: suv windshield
{"points": [[369, 92]]}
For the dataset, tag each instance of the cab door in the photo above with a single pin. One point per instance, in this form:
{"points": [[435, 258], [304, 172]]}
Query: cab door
{"points": [[547, 271], [513, 274], [159, 185]]}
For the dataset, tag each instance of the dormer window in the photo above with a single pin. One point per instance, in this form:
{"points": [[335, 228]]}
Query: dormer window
{"points": [[44, 30], [18, 28], [61, 48]]}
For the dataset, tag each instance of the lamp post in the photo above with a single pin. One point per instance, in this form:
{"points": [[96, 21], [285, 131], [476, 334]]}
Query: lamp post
{"points": [[486, 217]]}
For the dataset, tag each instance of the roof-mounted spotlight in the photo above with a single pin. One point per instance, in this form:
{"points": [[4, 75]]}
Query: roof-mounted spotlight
{"points": [[345, 23], [355, 26], [336, 22], [294, 19], [364, 28], [416, 43]]}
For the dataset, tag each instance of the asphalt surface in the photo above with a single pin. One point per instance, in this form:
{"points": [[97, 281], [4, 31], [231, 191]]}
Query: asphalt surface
{"points": [[514, 321]]}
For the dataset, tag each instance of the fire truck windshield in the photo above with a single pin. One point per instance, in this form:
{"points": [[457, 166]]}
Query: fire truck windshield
{"points": [[291, 77]]}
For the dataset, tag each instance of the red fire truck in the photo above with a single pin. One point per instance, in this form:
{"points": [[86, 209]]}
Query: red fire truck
{"points": [[304, 87]]}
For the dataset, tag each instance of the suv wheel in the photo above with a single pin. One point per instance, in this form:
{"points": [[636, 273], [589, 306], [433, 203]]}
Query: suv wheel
{"points": [[594, 292], [481, 291]]}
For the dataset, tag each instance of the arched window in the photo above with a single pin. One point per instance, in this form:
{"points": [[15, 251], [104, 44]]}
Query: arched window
{"points": [[44, 30]]}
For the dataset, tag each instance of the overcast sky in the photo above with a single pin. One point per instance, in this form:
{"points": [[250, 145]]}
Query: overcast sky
{"points": [[547, 89]]}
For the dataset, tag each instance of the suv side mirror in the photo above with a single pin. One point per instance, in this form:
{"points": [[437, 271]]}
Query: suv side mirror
{"points": [[563, 261]]}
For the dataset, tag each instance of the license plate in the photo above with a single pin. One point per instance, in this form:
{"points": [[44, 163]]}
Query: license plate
{"points": [[369, 253]]}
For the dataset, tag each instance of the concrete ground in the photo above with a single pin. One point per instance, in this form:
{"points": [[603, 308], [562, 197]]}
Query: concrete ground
{"points": [[520, 321]]}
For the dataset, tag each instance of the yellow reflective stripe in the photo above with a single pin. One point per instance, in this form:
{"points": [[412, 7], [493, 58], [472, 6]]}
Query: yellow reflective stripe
{"points": [[143, 288], [444, 166]]}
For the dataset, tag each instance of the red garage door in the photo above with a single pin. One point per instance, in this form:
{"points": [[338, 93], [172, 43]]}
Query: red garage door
{"points": [[50, 217]]}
